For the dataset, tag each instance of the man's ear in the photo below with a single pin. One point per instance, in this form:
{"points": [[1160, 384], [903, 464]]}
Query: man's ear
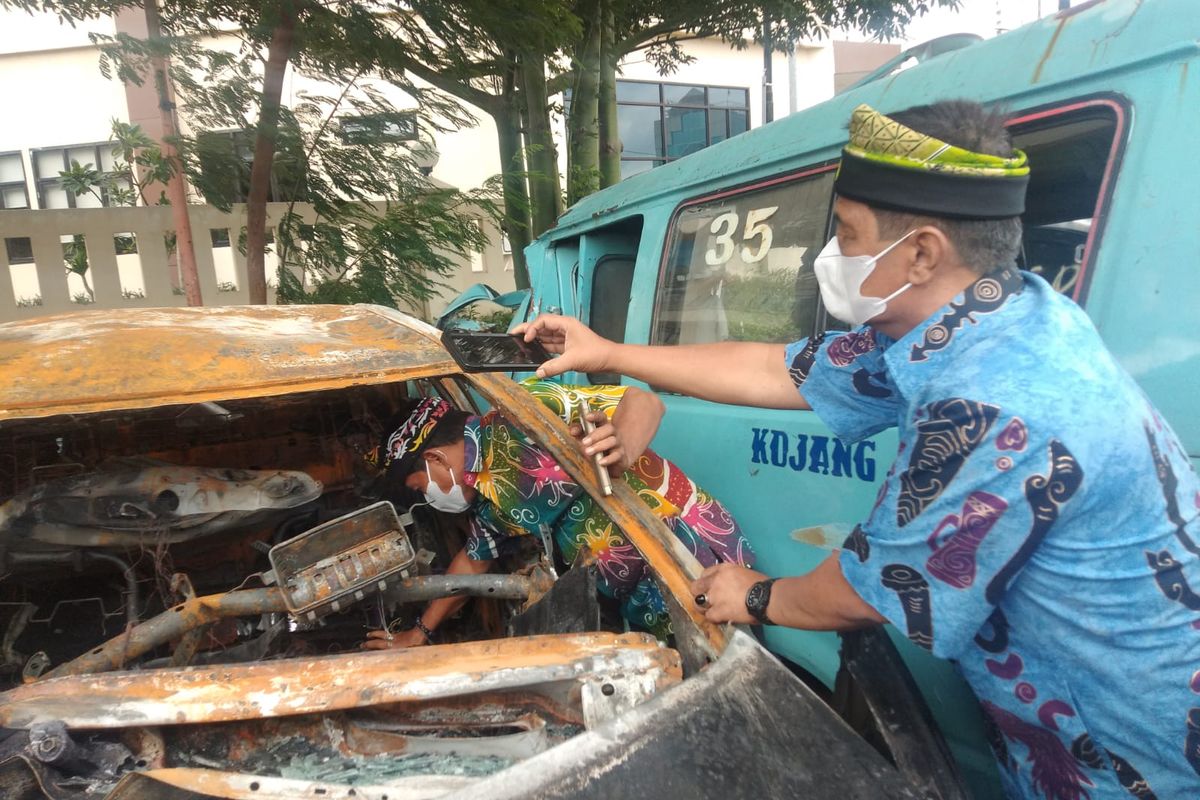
{"points": [[433, 457], [931, 250]]}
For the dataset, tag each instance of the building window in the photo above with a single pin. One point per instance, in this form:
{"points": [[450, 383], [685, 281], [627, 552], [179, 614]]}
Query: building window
{"points": [[19, 250], [477, 264], [660, 122], [225, 160], [48, 162], [13, 191], [385, 127]]}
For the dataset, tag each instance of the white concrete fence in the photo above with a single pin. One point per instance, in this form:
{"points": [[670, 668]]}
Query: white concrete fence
{"points": [[129, 266], [128, 262]]}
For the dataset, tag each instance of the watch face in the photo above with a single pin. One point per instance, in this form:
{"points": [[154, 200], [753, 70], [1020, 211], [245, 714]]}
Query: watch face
{"points": [[757, 600]]}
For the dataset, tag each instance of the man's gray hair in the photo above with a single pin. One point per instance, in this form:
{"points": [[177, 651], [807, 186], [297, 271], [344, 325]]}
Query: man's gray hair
{"points": [[984, 245]]}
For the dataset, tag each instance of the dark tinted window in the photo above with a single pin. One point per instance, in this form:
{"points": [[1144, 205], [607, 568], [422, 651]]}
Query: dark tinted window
{"points": [[1068, 156], [611, 286]]}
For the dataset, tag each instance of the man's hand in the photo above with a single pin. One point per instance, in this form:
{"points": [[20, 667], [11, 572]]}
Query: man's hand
{"points": [[579, 349], [623, 440], [607, 440], [382, 640], [724, 588]]}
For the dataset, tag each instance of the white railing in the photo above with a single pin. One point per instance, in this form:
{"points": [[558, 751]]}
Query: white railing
{"points": [[128, 262], [119, 278]]}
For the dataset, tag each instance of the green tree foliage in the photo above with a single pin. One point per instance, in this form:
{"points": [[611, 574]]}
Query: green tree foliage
{"points": [[397, 232], [138, 166], [366, 185], [361, 249], [496, 55]]}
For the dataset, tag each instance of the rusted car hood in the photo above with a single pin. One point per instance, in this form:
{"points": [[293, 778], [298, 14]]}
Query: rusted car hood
{"points": [[65, 364]]}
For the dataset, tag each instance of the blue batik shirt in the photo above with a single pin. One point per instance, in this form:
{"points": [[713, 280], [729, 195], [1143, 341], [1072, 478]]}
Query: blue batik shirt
{"points": [[1038, 528]]}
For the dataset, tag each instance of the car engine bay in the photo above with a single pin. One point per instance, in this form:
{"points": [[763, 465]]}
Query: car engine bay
{"points": [[210, 551]]}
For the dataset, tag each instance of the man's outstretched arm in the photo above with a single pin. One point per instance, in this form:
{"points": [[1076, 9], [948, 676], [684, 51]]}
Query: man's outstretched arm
{"points": [[737, 373]]}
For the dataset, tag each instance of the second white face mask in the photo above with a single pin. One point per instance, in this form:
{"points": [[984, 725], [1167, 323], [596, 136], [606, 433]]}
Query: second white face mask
{"points": [[841, 278], [452, 502]]}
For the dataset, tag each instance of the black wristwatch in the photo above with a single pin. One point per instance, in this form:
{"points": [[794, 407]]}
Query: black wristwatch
{"points": [[757, 600]]}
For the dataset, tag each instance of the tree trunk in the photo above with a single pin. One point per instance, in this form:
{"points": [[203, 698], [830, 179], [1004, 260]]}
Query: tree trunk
{"points": [[185, 250], [544, 192], [516, 195], [610, 133], [278, 55], [583, 136]]}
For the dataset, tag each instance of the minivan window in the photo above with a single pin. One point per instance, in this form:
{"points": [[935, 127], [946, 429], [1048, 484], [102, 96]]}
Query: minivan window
{"points": [[612, 282], [1070, 155], [739, 264]]}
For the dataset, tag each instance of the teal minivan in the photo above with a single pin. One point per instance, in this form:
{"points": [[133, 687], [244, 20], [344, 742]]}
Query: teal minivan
{"points": [[1105, 100]]}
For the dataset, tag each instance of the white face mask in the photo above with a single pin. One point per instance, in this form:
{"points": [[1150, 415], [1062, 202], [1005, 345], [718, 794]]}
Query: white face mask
{"points": [[452, 502], [841, 278]]}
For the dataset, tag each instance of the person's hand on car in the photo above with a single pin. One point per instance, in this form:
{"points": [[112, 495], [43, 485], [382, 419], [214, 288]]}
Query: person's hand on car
{"points": [[579, 349], [382, 640], [721, 591]]}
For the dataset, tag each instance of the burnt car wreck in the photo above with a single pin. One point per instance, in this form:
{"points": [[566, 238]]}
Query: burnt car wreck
{"points": [[191, 556]]}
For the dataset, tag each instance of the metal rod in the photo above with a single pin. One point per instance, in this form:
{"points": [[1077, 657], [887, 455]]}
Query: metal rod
{"points": [[589, 427], [170, 626], [132, 598], [173, 623], [431, 587]]}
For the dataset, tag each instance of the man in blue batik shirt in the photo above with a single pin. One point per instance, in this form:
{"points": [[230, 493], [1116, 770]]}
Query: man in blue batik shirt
{"points": [[1039, 525]]}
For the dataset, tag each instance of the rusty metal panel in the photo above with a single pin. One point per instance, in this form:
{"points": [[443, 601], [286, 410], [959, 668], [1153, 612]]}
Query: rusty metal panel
{"points": [[331, 683], [340, 561], [139, 358], [743, 729]]}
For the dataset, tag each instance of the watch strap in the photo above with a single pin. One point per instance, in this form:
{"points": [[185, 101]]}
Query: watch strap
{"points": [[758, 598], [428, 634]]}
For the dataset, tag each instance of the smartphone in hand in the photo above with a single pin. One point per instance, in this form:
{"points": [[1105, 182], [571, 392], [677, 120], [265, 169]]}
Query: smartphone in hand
{"points": [[493, 352]]}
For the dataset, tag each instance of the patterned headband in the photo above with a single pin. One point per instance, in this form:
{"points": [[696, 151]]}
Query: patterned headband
{"points": [[890, 165], [407, 439]]}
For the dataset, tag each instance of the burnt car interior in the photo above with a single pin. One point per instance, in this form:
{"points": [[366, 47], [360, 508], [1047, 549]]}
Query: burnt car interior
{"points": [[227, 542]]}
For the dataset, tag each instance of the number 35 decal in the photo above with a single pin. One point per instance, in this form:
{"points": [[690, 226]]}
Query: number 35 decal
{"points": [[724, 228]]}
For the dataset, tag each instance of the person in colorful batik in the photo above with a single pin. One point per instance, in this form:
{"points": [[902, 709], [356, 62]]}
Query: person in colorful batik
{"points": [[513, 488], [1039, 527]]}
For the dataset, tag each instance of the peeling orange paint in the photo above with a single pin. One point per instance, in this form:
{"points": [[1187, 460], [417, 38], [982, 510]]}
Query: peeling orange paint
{"points": [[80, 362], [331, 683]]}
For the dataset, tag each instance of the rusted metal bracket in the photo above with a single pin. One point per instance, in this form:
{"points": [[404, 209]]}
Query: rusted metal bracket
{"points": [[185, 651]]}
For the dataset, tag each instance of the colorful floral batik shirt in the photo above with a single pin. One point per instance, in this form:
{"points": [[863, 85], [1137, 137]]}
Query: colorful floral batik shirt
{"points": [[1039, 528], [521, 489]]}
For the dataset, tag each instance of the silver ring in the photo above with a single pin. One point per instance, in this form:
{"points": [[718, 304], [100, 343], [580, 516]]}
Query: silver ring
{"points": [[702, 600]]}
